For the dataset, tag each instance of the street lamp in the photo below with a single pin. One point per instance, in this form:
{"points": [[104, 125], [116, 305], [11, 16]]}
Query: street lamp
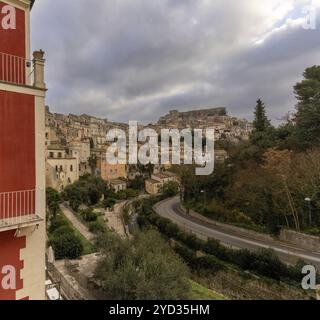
{"points": [[308, 200], [204, 196]]}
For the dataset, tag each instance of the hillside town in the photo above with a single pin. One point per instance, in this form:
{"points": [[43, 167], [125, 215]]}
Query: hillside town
{"points": [[76, 145], [198, 205]]}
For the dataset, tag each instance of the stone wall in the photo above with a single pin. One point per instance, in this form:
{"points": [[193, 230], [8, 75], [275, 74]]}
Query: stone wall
{"points": [[301, 240], [229, 228]]}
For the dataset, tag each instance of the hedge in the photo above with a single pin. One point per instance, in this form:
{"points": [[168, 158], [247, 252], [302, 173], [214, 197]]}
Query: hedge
{"points": [[264, 262]]}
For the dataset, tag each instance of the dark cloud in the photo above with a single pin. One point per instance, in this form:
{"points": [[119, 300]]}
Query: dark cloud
{"points": [[137, 59]]}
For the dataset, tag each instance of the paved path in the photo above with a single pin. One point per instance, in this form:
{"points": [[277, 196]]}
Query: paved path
{"points": [[114, 219], [70, 215], [288, 253]]}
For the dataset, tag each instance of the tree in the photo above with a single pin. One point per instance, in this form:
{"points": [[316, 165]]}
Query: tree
{"points": [[307, 117], [109, 203], [141, 268], [88, 215], [261, 122], [306, 90], [137, 183], [88, 190], [66, 245], [263, 136], [53, 200], [93, 163], [170, 189], [308, 123]]}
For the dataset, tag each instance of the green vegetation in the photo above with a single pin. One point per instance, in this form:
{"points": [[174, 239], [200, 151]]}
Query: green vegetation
{"points": [[67, 242], [216, 257], [199, 292], [264, 183], [87, 191], [138, 183], [170, 189], [53, 201], [141, 268]]}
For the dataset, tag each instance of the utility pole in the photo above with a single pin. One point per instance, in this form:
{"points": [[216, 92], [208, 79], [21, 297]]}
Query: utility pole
{"points": [[308, 200]]}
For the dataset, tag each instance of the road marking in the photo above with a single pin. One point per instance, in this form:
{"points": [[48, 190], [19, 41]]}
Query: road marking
{"points": [[170, 213]]}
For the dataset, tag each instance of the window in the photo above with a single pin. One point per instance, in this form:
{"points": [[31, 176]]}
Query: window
{"points": [[59, 155], [51, 154], [71, 168]]}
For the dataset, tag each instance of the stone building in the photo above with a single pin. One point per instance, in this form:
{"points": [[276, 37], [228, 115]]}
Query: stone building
{"points": [[61, 169], [158, 180]]}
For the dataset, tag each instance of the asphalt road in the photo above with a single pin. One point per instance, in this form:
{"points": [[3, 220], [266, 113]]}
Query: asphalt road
{"points": [[288, 253]]}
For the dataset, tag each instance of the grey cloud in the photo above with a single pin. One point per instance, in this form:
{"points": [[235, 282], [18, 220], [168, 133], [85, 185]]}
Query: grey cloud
{"points": [[138, 59]]}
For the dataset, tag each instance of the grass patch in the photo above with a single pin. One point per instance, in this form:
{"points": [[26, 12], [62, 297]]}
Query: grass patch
{"points": [[88, 247], [199, 292]]}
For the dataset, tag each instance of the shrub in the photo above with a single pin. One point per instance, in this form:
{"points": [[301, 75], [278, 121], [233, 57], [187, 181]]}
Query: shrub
{"points": [[215, 248], [56, 223], [65, 229], [244, 259], [131, 193], [97, 227], [210, 263], [108, 203], [89, 216], [268, 264], [188, 255], [66, 245], [206, 262]]}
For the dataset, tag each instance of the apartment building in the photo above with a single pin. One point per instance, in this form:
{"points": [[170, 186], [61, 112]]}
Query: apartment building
{"points": [[109, 171], [22, 159], [158, 180], [62, 169]]}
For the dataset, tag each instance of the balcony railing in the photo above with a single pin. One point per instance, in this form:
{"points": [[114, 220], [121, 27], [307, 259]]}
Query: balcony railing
{"points": [[16, 70], [18, 208]]}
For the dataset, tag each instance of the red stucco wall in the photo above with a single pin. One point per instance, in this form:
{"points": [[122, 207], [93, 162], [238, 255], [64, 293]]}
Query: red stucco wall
{"points": [[14, 41], [17, 142], [10, 247]]}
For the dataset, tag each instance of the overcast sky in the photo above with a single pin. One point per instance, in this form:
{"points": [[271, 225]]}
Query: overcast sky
{"points": [[138, 59]]}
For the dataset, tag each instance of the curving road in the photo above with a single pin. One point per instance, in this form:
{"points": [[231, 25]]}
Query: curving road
{"points": [[288, 253]]}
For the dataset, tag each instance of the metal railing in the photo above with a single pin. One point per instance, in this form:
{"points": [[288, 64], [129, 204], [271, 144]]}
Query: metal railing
{"points": [[18, 208], [16, 70]]}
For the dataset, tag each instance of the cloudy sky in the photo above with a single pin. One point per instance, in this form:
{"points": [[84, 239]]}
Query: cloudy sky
{"points": [[138, 59]]}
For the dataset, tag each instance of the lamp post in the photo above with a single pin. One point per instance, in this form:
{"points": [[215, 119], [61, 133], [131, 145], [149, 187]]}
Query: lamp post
{"points": [[308, 200], [204, 196]]}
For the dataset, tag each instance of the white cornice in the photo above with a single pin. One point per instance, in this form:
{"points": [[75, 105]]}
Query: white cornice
{"points": [[22, 89], [21, 4]]}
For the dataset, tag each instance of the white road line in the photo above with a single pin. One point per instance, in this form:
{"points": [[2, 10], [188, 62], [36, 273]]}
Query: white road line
{"points": [[165, 208]]}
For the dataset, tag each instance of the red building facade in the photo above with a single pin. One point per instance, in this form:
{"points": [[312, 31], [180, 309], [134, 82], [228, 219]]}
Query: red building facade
{"points": [[22, 157]]}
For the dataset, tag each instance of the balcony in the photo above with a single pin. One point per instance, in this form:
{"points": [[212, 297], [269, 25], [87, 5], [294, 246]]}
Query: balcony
{"points": [[18, 209], [15, 70]]}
